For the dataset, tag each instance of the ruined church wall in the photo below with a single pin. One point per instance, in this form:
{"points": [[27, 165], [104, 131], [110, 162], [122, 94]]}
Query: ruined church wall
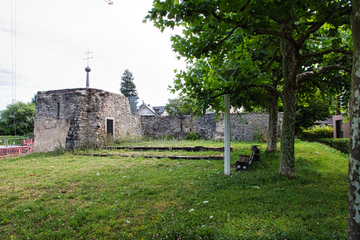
{"points": [[242, 128], [76, 117]]}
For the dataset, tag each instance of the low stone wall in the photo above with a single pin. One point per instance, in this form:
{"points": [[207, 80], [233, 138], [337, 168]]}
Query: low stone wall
{"points": [[242, 128]]}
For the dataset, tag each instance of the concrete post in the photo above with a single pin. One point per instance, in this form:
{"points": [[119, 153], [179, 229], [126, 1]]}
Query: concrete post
{"points": [[227, 135]]}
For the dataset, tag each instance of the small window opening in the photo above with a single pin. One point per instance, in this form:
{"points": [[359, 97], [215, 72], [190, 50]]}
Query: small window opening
{"points": [[110, 126], [58, 109]]}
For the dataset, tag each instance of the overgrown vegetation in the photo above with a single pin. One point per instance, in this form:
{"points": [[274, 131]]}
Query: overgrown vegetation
{"points": [[192, 136], [259, 136], [61, 196], [314, 133]]}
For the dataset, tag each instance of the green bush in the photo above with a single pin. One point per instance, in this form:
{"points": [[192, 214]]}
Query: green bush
{"points": [[316, 132], [259, 136], [169, 137], [341, 144], [192, 136]]}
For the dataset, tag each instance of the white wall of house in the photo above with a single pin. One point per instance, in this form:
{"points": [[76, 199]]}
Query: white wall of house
{"points": [[145, 111]]}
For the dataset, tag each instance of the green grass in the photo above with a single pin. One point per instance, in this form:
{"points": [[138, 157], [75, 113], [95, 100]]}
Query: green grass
{"points": [[61, 196]]}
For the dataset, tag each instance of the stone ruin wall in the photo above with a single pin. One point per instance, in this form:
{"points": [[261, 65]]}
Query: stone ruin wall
{"points": [[75, 117], [243, 128]]}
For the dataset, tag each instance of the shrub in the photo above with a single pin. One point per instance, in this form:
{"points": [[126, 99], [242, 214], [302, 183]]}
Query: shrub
{"points": [[169, 137], [316, 132], [192, 136], [259, 136], [341, 144]]}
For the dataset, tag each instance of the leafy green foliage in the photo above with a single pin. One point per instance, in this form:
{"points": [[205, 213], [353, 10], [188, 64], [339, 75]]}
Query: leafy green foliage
{"points": [[314, 133], [304, 37], [310, 109], [128, 88], [207, 80], [180, 106], [33, 99], [24, 116]]}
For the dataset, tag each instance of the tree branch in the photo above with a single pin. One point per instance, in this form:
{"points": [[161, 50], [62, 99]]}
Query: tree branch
{"points": [[277, 34], [220, 19], [268, 87], [302, 77], [227, 36], [316, 25], [319, 54], [244, 6], [271, 88], [218, 95], [272, 59], [216, 16], [313, 29]]}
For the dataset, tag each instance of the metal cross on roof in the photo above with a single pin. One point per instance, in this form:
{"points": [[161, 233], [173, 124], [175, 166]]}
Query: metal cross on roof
{"points": [[87, 69], [88, 57]]}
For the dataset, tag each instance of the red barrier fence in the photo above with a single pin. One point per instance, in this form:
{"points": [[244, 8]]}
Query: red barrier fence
{"points": [[28, 142], [28, 147]]}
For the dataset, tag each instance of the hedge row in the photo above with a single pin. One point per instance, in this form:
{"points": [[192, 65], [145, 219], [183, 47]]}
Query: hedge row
{"points": [[341, 144], [324, 134]]}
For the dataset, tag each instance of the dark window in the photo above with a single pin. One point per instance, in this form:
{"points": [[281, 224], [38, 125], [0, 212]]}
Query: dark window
{"points": [[339, 129], [110, 126], [58, 109]]}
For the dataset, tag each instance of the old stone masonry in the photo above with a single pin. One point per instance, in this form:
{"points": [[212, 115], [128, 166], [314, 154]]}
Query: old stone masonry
{"points": [[85, 116]]}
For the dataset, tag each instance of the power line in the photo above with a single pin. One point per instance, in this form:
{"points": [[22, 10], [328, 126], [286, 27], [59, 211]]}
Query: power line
{"points": [[13, 58]]}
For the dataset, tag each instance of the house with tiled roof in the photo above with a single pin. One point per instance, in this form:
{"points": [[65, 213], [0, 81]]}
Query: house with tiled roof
{"points": [[151, 111]]}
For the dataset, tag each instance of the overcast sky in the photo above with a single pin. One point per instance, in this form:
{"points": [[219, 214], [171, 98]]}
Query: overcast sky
{"points": [[52, 37]]}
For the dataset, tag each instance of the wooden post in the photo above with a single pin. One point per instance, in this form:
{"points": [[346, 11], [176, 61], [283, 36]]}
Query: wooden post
{"points": [[227, 135]]}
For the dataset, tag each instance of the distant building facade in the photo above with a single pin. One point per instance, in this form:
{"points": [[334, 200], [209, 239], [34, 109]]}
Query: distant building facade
{"points": [[147, 110], [341, 127]]}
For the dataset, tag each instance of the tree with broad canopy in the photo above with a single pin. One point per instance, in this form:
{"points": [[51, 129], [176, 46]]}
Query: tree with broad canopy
{"points": [[17, 119], [292, 29]]}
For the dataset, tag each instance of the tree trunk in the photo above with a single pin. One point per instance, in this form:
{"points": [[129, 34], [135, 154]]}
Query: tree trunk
{"points": [[354, 143], [290, 66], [273, 117]]}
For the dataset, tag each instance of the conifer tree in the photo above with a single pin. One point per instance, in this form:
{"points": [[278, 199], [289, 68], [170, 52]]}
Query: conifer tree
{"points": [[128, 88]]}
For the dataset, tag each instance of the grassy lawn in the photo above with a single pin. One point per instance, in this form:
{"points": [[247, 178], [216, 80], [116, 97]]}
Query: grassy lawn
{"points": [[61, 196]]}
